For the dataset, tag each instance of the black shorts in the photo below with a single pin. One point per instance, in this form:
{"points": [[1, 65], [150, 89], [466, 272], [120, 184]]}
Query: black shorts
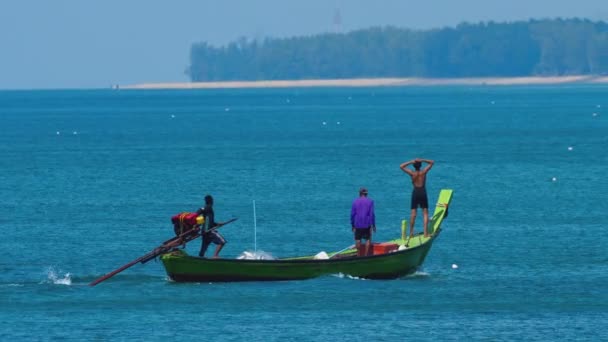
{"points": [[213, 236], [419, 198], [362, 233]]}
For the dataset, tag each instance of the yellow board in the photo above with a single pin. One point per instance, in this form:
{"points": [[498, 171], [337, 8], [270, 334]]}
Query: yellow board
{"points": [[443, 202]]}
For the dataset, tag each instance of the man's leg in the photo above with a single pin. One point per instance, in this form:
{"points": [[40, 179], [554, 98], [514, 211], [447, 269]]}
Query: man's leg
{"points": [[358, 247], [368, 244], [425, 213], [204, 246], [218, 248], [412, 221]]}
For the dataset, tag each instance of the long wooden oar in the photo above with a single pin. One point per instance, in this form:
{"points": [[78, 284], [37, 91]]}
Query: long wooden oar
{"points": [[164, 248]]}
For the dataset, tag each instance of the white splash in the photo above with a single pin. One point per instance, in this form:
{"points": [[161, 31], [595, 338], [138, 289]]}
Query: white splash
{"points": [[259, 255], [342, 275], [54, 278], [418, 274]]}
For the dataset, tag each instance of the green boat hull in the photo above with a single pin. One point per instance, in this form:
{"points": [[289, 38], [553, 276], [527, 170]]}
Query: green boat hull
{"points": [[181, 267]]}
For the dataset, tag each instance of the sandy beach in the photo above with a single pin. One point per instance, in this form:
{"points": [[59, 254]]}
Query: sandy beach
{"points": [[375, 82]]}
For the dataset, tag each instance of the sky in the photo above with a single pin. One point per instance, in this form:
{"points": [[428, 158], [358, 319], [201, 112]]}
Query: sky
{"points": [[99, 43]]}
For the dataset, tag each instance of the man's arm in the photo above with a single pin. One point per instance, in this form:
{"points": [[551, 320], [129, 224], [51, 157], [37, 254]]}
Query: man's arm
{"points": [[373, 216], [352, 216], [428, 166], [405, 165]]}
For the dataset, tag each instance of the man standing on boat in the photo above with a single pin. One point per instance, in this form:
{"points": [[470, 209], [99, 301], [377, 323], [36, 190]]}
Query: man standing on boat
{"points": [[419, 196], [208, 231], [363, 220]]}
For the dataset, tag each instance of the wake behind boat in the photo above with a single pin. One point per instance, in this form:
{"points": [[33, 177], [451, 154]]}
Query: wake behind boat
{"points": [[388, 260]]}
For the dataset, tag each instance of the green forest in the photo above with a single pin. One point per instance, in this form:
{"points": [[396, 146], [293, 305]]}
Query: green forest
{"points": [[551, 47]]}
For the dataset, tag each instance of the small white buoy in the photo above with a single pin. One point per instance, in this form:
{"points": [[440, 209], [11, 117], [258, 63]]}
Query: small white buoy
{"points": [[74, 132], [58, 133], [288, 100], [594, 114], [492, 102], [324, 123], [172, 116], [227, 109], [569, 148], [454, 266], [337, 123], [599, 106], [554, 179]]}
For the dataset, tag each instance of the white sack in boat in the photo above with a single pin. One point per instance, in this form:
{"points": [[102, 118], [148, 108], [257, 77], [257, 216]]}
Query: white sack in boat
{"points": [[259, 255]]}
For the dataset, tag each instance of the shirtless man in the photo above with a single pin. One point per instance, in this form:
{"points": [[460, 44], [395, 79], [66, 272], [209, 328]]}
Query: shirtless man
{"points": [[419, 197]]}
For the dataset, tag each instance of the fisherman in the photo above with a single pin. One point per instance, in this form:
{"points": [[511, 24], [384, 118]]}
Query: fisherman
{"points": [[419, 196], [208, 231], [362, 221]]}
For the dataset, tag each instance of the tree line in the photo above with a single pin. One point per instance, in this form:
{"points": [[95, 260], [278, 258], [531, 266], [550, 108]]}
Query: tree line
{"points": [[550, 47]]}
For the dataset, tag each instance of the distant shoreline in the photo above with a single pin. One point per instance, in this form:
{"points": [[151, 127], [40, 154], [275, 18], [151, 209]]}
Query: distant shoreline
{"points": [[376, 82]]}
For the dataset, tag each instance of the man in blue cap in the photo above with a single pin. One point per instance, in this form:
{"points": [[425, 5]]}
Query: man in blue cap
{"points": [[362, 221]]}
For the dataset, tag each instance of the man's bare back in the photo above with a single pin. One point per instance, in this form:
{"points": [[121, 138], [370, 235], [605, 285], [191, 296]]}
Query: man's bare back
{"points": [[418, 179]]}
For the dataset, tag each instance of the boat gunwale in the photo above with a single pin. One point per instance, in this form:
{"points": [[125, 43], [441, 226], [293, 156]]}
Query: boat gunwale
{"points": [[304, 261]]}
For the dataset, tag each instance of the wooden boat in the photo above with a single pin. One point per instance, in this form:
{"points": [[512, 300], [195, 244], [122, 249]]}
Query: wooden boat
{"points": [[389, 260]]}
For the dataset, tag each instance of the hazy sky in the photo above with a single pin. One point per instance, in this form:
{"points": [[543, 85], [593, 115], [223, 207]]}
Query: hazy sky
{"points": [[98, 43]]}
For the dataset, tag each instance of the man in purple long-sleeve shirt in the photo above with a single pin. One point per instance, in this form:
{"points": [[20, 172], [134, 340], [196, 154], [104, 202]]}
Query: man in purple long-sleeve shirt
{"points": [[363, 220]]}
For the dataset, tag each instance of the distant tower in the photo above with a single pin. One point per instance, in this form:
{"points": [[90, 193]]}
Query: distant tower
{"points": [[337, 27]]}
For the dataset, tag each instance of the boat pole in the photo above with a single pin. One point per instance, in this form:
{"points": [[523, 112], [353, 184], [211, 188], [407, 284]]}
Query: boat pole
{"points": [[255, 230]]}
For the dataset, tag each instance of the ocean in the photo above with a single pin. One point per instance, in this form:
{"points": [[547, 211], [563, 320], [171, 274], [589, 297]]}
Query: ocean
{"points": [[89, 180]]}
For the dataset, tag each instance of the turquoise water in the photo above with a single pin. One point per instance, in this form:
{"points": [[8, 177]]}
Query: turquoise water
{"points": [[90, 179]]}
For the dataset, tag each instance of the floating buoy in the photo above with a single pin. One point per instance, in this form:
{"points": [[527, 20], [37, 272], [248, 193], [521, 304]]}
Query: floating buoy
{"points": [[58, 133], [454, 266], [74, 132], [594, 114], [227, 109], [172, 116], [324, 123], [554, 179], [337, 123], [569, 148]]}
